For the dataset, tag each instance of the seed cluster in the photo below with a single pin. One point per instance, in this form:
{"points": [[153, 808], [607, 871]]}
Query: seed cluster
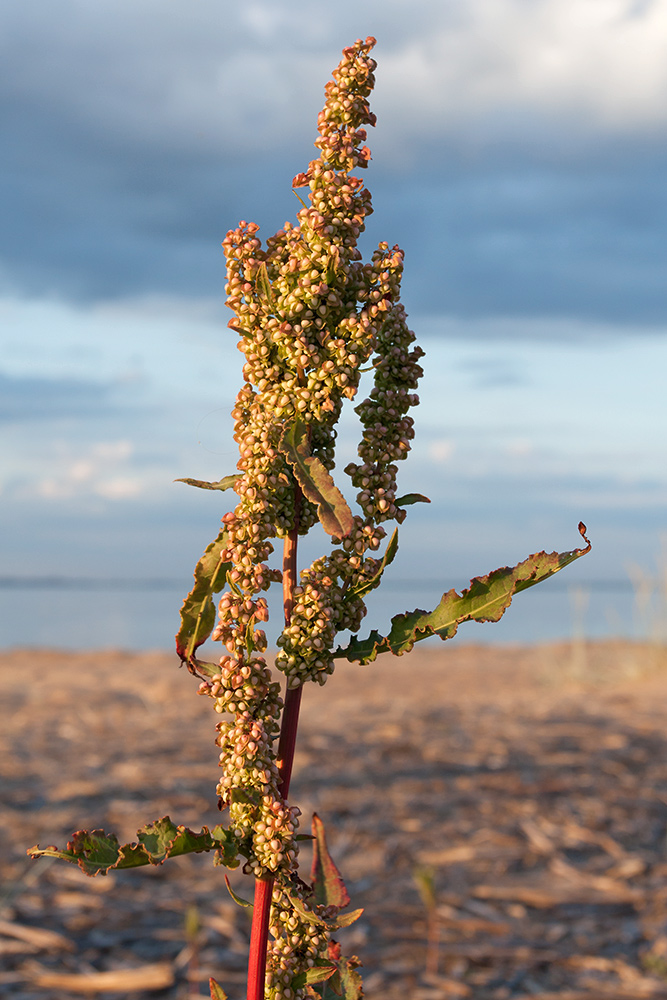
{"points": [[297, 943], [328, 601]]}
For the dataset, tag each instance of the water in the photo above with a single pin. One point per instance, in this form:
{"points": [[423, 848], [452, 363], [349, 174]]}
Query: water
{"points": [[90, 614]]}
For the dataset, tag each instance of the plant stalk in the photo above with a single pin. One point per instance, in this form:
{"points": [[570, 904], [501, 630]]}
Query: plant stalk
{"points": [[259, 934]]}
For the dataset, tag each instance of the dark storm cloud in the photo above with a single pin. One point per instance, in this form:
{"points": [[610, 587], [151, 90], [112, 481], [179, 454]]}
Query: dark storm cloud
{"points": [[515, 234], [135, 138], [26, 399]]}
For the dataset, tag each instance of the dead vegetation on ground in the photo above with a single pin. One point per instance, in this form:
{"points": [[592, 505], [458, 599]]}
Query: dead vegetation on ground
{"points": [[529, 783]]}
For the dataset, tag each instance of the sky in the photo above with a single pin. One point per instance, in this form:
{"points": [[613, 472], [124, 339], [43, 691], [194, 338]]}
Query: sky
{"points": [[519, 160]]}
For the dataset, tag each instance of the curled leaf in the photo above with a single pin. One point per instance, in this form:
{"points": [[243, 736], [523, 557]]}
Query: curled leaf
{"points": [[409, 498], [350, 979], [485, 600], [198, 610], [239, 900], [216, 990], [97, 853], [226, 483], [389, 555], [315, 481]]}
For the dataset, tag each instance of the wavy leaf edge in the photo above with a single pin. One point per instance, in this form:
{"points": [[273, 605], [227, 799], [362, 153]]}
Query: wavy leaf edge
{"points": [[485, 600], [97, 853]]}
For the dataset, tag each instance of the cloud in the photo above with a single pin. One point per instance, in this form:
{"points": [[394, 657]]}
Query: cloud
{"points": [[519, 156], [493, 66], [441, 450], [29, 399], [103, 469]]}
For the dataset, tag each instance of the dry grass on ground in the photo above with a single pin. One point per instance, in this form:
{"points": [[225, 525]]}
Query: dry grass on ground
{"points": [[531, 783]]}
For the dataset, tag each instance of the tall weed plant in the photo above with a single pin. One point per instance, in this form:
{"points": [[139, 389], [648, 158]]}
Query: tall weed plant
{"points": [[310, 317]]}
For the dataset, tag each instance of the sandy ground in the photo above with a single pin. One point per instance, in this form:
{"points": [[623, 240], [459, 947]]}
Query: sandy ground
{"points": [[528, 785]]}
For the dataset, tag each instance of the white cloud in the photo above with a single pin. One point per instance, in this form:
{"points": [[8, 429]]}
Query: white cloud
{"points": [[241, 76], [93, 473], [600, 63], [119, 488], [441, 451]]}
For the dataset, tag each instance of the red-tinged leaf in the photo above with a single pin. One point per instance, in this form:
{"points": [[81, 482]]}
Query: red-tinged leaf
{"points": [[328, 886], [97, 853], [346, 919], [316, 974], [331, 988], [217, 992], [239, 900], [485, 600], [226, 483], [388, 557], [198, 610], [347, 982], [410, 498], [350, 979], [315, 481]]}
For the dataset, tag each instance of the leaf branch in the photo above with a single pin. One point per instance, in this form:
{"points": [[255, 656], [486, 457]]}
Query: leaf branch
{"points": [[485, 600]]}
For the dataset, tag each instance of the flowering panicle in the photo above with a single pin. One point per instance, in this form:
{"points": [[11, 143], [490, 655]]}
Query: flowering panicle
{"points": [[310, 315]]}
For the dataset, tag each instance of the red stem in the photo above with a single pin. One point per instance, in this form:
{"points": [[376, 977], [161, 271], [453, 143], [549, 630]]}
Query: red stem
{"points": [[259, 938], [259, 934]]}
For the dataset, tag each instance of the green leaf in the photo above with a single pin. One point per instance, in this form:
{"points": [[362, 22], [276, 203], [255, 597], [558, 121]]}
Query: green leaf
{"points": [[315, 481], [248, 796], [316, 974], [237, 899], [350, 979], [217, 992], [96, 853], [331, 988], [486, 600], [346, 981], [410, 498], [226, 483], [304, 912], [347, 919], [198, 610], [227, 847], [328, 886], [368, 585], [162, 839]]}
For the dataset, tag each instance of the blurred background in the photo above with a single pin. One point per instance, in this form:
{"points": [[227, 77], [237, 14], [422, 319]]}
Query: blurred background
{"points": [[519, 160]]}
